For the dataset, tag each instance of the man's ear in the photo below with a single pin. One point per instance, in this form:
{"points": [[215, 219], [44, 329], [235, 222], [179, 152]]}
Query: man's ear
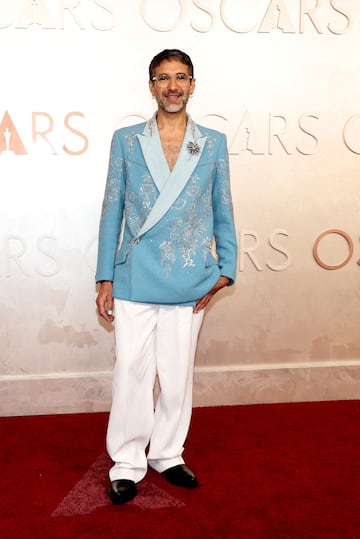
{"points": [[151, 87]]}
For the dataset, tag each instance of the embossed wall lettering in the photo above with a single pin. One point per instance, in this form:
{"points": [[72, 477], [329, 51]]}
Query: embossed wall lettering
{"points": [[286, 16], [45, 134], [44, 256], [250, 249], [348, 244], [60, 14], [255, 133], [351, 134], [238, 16]]}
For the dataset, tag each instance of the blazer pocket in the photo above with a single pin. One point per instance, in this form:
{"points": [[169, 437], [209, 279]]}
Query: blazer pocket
{"points": [[122, 255]]}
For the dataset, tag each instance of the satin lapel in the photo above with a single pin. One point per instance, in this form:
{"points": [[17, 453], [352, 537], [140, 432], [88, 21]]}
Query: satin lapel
{"points": [[153, 153], [179, 176]]}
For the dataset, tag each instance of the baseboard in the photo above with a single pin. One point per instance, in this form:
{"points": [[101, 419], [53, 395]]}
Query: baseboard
{"points": [[213, 386], [259, 384]]}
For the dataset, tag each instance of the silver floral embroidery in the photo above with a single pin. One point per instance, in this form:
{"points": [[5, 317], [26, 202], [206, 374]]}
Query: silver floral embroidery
{"points": [[222, 167], [147, 192], [131, 137], [210, 143], [138, 204], [192, 126], [206, 245], [186, 233], [112, 189], [152, 125], [168, 257]]}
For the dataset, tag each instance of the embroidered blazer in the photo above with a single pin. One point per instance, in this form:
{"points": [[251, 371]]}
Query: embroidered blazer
{"points": [[158, 226]]}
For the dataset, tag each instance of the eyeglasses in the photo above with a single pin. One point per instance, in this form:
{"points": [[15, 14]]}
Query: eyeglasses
{"points": [[163, 79]]}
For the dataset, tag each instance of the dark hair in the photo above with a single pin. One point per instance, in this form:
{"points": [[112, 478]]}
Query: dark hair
{"points": [[170, 54]]}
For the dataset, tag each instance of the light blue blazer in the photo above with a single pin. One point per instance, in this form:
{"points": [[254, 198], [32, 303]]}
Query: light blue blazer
{"points": [[157, 226]]}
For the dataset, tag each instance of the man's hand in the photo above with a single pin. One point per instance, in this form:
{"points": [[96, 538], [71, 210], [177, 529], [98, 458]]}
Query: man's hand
{"points": [[105, 301], [202, 302]]}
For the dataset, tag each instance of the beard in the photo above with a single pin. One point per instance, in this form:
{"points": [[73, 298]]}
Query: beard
{"points": [[172, 107]]}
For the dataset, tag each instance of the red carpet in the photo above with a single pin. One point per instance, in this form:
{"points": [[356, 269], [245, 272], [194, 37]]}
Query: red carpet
{"points": [[283, 471]]}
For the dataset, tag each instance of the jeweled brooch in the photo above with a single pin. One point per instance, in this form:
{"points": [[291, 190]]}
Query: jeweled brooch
{"points": [[193, 148]]}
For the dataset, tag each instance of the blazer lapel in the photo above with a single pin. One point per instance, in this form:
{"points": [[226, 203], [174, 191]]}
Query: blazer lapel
{"points": [[153, 153], [171, 183]]}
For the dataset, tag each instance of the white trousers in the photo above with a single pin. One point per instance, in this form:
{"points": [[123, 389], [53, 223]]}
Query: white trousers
{"points": [[151, 339]]}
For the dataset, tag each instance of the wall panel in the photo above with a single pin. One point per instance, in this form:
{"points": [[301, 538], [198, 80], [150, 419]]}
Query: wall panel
{"points": [[281, 79]]}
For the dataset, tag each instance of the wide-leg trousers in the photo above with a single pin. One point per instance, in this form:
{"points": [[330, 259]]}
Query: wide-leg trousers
{"points": [[151, 340]]}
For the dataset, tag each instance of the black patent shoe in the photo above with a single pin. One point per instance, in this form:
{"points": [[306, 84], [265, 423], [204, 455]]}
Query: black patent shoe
{"points": [[122, 491], [181, 476]]}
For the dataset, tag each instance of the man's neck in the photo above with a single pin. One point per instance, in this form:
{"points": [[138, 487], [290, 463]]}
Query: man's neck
{"points": [[171, 120]]}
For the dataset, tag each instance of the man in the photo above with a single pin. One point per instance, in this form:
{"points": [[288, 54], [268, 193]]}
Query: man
{"points": [[167, 197]]}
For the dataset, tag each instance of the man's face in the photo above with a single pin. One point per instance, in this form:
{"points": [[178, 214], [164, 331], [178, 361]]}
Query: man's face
{"points": [[173, 85]]}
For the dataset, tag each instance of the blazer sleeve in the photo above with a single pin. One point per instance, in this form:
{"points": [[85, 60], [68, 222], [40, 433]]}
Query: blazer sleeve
{"points": [[224, 227], [112, 212]]}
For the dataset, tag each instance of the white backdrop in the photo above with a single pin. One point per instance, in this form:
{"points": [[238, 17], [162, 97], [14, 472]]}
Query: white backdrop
{"points": [[281, 79]]}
